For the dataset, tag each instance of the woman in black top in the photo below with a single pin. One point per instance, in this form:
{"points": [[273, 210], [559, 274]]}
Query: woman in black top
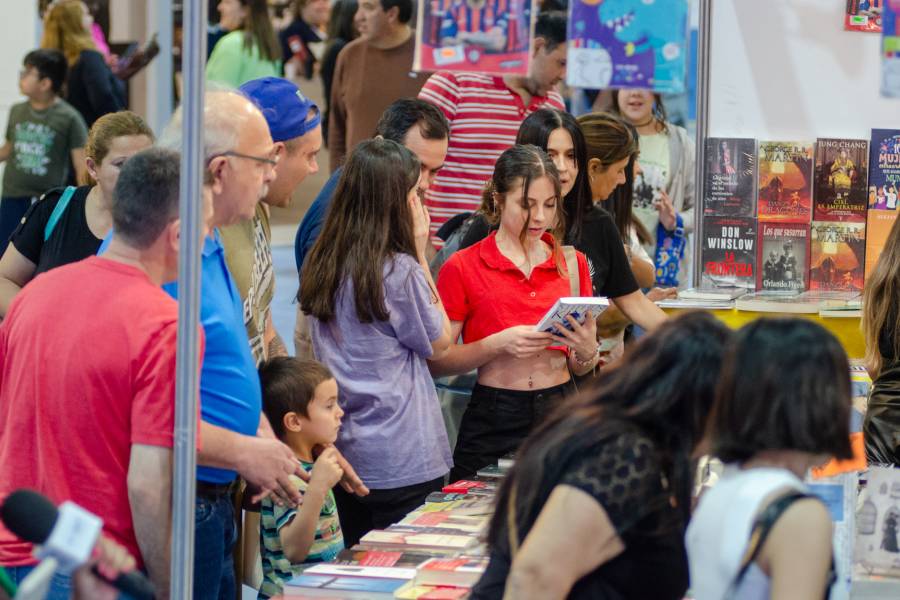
{"points": [[590, 228], [51, 235], [881, 327], [91, 86], [341, 31], [598, 499]]}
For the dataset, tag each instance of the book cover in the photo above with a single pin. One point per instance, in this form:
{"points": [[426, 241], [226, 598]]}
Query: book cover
{"points": [[728, 253], [890, 49], [474, 36], [381, 558], [783, 257], [785, 181], [628, 44], [837, 256], [459, 571], [863, 15], [884, 169], [729, 186], [413, 537], [878, 228], [839, 190], [877, 546], [777, 302], [345, 587]]}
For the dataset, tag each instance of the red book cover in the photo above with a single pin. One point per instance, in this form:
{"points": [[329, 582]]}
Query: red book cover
{"points": [[863, 15], [837, 256], [785, 181]]}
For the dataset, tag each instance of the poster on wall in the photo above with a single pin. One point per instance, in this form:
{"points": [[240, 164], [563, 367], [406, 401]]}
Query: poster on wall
{"points": [[475, 36], [890, 50], [628, 44], [863, 15]]}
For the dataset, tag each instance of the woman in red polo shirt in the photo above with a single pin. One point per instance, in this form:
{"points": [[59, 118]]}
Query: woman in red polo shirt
{"points": [[495, 292]]}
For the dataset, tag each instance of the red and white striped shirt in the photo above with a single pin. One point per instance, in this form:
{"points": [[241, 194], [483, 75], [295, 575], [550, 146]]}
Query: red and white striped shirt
{"points": [[484, 116]]}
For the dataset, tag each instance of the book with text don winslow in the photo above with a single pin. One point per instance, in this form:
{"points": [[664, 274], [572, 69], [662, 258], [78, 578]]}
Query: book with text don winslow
{"points": [[728, 254]]}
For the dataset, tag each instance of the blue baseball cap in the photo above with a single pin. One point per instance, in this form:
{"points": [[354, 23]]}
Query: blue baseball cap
{"points": [[284, 106]]}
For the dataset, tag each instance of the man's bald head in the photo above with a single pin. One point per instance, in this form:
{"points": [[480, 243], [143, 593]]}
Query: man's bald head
{"points": [[237, 149]]}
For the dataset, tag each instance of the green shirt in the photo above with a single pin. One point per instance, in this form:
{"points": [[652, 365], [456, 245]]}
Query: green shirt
{"points": [[328, 541], [233, 64], [42, 142]]}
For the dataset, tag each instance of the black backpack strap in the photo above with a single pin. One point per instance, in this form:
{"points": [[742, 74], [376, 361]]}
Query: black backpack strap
{"points": [[762, 526]]}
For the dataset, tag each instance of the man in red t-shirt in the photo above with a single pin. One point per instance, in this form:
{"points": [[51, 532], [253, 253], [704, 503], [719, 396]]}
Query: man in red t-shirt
{"points": [[87, 376], [485, 113]]}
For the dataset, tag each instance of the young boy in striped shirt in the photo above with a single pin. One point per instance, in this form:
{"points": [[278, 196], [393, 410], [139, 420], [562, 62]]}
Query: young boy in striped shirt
{"points": [[300, 401]]}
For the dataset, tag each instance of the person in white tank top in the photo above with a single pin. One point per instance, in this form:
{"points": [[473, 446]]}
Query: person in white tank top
{"points": [[782, 407]]}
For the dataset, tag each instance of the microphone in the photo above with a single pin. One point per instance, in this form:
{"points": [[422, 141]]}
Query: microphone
{"points": [[68, 535]]}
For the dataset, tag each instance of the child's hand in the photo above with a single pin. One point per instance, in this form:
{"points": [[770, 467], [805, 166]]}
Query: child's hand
{"points": [[326, 471]]}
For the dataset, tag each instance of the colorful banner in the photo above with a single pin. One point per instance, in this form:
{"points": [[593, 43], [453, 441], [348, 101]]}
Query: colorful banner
{"points": [[475, 36], [890, 50], [628, 44]]}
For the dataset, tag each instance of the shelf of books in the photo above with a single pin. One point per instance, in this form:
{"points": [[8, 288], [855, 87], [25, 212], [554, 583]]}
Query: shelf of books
{"points": [[794, 227]]}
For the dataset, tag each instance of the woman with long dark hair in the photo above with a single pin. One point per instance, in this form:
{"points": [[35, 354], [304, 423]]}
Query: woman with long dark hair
{"points": [[495, 292], [606, 481], [341, 31], [375, 319], [663, 197], [250, 51]]}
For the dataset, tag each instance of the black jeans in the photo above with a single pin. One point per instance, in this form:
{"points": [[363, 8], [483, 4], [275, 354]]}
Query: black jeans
{"points": [[361, 514], [497, 421]]}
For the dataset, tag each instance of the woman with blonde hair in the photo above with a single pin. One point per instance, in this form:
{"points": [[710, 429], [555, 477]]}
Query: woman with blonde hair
{"points": [[881, 328], [250, 51], [91, 86], [68, 224]]}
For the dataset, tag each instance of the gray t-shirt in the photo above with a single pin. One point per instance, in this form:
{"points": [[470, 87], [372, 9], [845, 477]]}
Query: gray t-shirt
{"points": [[392, 433], [42, 142]]}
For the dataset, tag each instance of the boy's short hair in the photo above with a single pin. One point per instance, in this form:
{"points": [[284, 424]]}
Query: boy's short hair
{"points": [[289, 385], [50, 64], [785, 385], [551, 25]]}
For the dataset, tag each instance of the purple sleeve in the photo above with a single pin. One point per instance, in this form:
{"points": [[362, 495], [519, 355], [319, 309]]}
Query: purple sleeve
{"points": [[414, 316]]}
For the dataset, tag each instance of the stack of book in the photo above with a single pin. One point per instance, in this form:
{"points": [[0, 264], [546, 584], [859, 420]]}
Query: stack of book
{"points": [[436, 552]]}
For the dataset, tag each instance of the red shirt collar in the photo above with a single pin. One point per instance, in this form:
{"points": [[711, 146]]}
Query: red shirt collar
{"points": [[492, 257]]}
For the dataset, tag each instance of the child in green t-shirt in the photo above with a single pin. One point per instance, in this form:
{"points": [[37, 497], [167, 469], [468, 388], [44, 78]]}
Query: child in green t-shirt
{"points": [[300, 401], [43, 134]]}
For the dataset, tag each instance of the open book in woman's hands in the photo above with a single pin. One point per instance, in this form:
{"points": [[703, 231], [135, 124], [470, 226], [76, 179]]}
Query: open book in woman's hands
{"points": [[578, 307]]}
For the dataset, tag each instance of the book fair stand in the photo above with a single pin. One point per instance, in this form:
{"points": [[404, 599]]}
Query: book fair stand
{"points": [[798, 142]]}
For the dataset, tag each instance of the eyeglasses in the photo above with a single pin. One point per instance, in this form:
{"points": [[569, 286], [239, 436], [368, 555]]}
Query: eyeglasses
{"points": [[261, 159]]}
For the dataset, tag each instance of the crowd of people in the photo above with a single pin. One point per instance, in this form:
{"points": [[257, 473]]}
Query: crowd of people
{"points": [[460, 207]]}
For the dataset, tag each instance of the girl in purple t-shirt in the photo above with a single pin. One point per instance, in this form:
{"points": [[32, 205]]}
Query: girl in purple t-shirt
{"points": [[375, 318]]}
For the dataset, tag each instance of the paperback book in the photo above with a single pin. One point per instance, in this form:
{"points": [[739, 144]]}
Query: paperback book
{"points": [[464, 571], [728, 253], [783, 257], [729, 186], [839, 191], [329, 586], [884, 169], [878, 228], [382, 558], [414, 538], [837, 256], [785, 181]]}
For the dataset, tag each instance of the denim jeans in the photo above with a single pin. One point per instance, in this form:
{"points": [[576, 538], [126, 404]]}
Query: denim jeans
{"points": [[214, 539], [60, 585]]}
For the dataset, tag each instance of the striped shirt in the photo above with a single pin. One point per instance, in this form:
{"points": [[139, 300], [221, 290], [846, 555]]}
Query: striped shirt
{"points": [[277, 569], [484, 116]]}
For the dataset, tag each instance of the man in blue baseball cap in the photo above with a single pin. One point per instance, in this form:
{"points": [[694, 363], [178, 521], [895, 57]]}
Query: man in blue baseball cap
{"points": [[295, 125]]}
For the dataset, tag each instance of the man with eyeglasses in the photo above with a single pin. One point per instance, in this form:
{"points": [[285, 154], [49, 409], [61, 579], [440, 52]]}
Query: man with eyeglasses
{"points": [[235, 436], [295, 126]]}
